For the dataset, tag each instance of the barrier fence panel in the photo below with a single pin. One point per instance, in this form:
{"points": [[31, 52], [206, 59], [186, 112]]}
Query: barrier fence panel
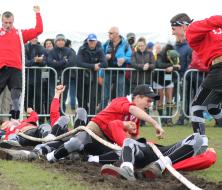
{"points": [[191, 81], [166, 84], [40, 88], [94, 90]]}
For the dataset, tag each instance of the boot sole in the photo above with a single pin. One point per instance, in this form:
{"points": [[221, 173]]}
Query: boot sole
{"points": [[5, 156], [114, 171]]}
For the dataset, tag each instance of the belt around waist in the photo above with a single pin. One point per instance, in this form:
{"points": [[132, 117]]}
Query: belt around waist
{"points": [[217, 60]]}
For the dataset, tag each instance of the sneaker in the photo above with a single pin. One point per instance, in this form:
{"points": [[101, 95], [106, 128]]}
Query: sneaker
{"points": [[152, 171], [50, 157], [169, 122], [9, 154], [124, 172], [163, 121], [180, 121], [204, 145], [81, 116]]}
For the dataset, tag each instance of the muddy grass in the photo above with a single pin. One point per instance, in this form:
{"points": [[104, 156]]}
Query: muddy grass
{"points": [[89, 174]]}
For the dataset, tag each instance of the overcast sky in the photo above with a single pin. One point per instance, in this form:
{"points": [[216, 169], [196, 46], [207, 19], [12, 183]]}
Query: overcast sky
{"points": [[140, 16]]}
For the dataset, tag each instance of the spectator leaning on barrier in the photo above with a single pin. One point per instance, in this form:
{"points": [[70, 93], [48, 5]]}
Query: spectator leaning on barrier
{"points": [[34, 53], [205, 37], [59, 58], [92, 57], [10, 56], [143, 62], [168, 59], [179, 24], [118, 54]]}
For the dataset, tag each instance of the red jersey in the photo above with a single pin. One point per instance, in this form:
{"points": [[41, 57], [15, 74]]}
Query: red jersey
{"points": [[54, 116], [196, 63], [10, 48], [205, 37], [33, 118], [118, 109]]}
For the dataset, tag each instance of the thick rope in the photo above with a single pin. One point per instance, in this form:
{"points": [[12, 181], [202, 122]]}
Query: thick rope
{"points": [[174, 172], [22, 99], [74, 131]]}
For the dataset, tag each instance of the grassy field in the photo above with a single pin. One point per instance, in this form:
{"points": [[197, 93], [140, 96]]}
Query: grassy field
{"points": [[25, 176]]}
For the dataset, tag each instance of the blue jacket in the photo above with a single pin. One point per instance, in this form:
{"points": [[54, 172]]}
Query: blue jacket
{"points": [[123, 50], [87, 58], [185, 56]]}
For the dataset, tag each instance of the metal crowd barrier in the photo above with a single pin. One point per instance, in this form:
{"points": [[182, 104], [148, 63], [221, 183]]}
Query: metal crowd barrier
{"points": [[40, 82], [191, 81], [37, 90], [94, 90]]}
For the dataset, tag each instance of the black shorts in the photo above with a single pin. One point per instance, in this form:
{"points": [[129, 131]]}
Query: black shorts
{"points": [[214, 78], [10, 77]]}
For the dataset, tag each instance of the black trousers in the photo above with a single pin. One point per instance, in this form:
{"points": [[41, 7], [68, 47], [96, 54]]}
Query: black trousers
{"points": [[208, 97]]}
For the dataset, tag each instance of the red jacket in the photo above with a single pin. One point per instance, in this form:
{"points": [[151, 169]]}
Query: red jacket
{"points": [[33, 117], [10, 48], [54, 111], [205, 37]]}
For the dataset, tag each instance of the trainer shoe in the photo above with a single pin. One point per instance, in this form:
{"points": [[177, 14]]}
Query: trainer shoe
{"points": [[50, 157], [124, 172], [204, 145], [9, 154], [152, 171]]}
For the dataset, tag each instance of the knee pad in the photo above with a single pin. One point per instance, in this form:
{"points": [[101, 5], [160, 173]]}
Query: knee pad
{"points": [[133, 145], [78, 142], [129, 142]]}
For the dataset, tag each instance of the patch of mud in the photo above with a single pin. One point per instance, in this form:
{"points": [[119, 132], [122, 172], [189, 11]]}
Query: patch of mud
{"points": [[89, 174]]}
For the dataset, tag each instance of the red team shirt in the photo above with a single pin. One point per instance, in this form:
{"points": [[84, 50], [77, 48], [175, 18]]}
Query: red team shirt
{"points": [[33, 118], [205, 37], [110, 120], [10, 48]]}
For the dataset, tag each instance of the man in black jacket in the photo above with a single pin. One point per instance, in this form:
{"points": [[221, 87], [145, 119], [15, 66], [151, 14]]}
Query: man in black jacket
{"points": [[92, 57], [59, 58], [34, 58]]}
